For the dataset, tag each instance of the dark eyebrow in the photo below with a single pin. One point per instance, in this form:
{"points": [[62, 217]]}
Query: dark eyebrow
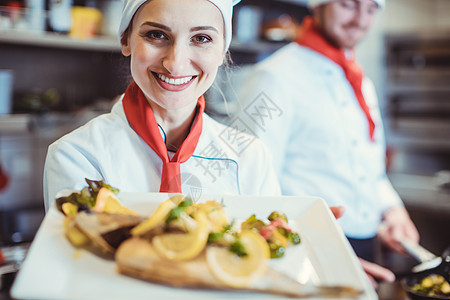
{"points": [[193, 29], [200, 28], [157, 25]]}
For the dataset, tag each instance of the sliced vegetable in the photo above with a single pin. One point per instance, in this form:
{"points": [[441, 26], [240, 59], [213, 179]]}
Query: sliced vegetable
{"points": [[86, 198], [277, 215], [277, 233], [252, 223]]}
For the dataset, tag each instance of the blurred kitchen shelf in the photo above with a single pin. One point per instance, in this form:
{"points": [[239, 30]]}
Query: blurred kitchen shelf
{"points": [[422, 191], [14, 123], [294, 2], [415, 37], [417, 100], [48, 39], [411, 143], [256, 47], [420, 133], [301, 3], [105, 43], [424, 126], [409, 88]]}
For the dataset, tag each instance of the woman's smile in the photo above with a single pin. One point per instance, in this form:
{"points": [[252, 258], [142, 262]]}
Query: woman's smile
{"points": [[172, 83]]}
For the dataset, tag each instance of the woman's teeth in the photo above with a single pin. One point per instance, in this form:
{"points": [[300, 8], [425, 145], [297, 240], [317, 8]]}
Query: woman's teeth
{"points": [[174, 81]]}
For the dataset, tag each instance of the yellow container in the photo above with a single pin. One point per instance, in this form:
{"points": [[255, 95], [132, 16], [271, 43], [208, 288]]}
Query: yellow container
{"points": [[85, 22]]}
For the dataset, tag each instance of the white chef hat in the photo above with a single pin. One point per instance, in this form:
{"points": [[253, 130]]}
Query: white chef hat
{"points": [[312, 3], [129, 8]]}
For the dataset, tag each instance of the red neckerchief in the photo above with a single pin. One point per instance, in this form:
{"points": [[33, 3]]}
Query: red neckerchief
{"points": [[310, 37], [4, 180], [141, 118]]}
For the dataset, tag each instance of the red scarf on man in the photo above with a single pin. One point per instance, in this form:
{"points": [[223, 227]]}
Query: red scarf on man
{"points": [[141, 118], [310, 37]]}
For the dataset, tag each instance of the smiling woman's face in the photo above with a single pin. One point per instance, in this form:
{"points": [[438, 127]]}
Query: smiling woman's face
{"points": [[176, 48]]}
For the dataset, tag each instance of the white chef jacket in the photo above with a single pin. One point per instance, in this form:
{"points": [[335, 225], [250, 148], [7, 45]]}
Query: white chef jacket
{"points": [[301, 105], [225, 161]]}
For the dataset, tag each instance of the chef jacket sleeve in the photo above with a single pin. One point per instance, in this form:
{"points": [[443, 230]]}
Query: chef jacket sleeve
{"points": [[387, 194], [66, 167]]}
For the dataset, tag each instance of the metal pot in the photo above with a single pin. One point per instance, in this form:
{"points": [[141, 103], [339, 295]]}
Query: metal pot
{"points": [[424, 269]]}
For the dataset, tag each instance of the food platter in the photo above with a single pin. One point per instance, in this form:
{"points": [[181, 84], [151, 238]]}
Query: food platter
{"points": [[54, 269]]}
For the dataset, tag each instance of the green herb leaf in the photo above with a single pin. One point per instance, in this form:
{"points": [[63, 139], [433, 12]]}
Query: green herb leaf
{"points": [[176, 212], [252, 223], [277, 214], [215, 237], [238, 249]]}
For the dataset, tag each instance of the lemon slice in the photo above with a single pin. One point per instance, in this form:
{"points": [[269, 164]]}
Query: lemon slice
{"points": [[158, 217], [235, 271], [183, 246], [217, 215], [108, 202], [177, 199]]}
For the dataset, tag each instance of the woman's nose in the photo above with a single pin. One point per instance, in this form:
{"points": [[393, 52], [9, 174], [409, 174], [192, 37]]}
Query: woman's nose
{"points": [[176, 59]]}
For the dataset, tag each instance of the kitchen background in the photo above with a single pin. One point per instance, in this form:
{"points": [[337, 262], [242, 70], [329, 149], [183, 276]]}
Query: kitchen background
{"points": [[56, 74]]}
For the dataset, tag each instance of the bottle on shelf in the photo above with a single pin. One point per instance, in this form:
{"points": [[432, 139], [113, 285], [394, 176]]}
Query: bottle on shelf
{"points": [[35, 12], [60, 15]]}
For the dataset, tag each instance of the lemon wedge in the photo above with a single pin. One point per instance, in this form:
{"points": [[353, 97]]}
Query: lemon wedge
{"points": [[177, 199], [217, 215], [108, 202], [158, 217], [183, 246], [240, 271]]}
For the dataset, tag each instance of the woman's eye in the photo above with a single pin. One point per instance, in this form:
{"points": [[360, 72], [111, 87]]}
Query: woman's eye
{"points": [[155, 35], [348, 4], [201, 39], [372, 10]]}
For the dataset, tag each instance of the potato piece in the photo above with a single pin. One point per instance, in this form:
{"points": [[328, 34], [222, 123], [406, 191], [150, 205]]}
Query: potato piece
{"points": [[73, 234], [445, 288]]}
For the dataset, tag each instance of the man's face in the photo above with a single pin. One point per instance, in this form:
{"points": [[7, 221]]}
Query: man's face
{"points": [[345, 22]]}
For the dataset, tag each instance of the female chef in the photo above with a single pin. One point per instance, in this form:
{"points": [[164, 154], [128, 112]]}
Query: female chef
{"points": [[157, 137]]}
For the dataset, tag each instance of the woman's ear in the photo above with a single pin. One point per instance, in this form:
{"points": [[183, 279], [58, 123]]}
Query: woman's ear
{"points": [[126, 51], [225, 59]]}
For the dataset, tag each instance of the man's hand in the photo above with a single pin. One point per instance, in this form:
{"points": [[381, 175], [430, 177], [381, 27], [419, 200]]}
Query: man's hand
{"points": [[337, 211], [396, 226], [375, 272]]}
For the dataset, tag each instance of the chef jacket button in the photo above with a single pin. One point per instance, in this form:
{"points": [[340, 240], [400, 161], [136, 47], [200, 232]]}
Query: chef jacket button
{"points": [[362, 178], [355, 143]]}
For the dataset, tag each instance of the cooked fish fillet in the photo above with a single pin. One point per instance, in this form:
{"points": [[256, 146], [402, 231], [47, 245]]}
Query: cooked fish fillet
{"points": [[136, 257], [99, 226]]}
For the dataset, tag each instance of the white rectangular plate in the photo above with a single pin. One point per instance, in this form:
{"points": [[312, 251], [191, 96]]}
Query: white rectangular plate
{"points": [[54, 269]]}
